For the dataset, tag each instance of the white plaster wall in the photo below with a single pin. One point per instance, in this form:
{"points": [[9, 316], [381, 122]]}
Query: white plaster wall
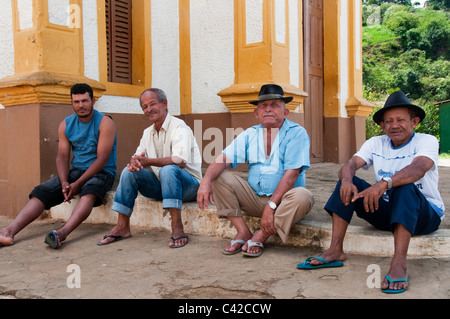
{"points": [[166, 51], [118, 104], [58, 12], [280, 21], [253, 21], [7, 42], [90, 40], [212, 53], [343, 63], [25, 8]]}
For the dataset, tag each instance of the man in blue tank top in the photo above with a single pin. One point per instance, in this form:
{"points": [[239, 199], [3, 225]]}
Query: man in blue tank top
{"points": [[91, 137]]}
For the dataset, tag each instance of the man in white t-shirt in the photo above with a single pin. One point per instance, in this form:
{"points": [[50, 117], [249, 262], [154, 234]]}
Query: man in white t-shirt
{"points": [[405, 198]]}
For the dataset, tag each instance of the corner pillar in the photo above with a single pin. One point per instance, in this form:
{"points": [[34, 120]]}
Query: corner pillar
{"points": [[261, 54], [48, 61]]}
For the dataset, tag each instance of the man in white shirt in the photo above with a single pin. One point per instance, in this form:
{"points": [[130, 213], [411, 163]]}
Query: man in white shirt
{"points": [[166, 166], [405, 198]]}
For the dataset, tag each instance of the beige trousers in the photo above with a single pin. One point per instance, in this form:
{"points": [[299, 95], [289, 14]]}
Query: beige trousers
{"points": [[234, 197]]}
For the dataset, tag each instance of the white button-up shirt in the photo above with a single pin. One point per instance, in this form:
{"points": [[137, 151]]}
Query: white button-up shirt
{"points": [[174, 138]]}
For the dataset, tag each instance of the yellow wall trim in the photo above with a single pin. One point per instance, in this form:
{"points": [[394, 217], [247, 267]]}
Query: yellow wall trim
{"points": [[47, 46], [259, 63], [237, 97], [42, 87], [48, 60], [141, 52], [358, 107], [185, 57]]}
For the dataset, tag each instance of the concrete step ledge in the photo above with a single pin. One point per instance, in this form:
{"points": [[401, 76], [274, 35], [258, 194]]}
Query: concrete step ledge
{"points": [[365, 240]]}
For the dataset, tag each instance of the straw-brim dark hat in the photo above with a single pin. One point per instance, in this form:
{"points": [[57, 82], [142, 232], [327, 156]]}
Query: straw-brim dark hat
{"points": [[395, 100], [271, 92]]}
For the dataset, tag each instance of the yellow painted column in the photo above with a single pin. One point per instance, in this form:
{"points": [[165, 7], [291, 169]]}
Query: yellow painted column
{"points": [[49, 58], [356, 105], [344, 128], [331, 34], [266, 61], [48, 61], [185, 57]]}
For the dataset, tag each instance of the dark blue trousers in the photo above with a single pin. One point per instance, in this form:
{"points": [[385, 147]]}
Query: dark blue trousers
{"points": [[406, 205]]}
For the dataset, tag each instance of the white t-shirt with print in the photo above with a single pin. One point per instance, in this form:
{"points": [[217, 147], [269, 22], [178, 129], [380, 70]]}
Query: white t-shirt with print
{"points": [[387, 161]]}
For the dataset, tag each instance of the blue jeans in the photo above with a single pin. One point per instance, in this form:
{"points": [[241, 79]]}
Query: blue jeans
{"points": [[173, 187], [406, 205]]}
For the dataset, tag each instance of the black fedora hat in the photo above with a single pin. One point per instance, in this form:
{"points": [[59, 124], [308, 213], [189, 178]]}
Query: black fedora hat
{"points": [[271, 92], [398, 99]]}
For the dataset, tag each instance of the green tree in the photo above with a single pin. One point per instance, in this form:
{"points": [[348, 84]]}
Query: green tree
{"points": [[380, 2], [440, 4], [407, 51], [400, 21]]}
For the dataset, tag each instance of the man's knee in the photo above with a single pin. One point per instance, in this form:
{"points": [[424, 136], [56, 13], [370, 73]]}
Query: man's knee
{"points": [[225, 178], [125, 174], [300, 198], [405, 189], [169, 171]]}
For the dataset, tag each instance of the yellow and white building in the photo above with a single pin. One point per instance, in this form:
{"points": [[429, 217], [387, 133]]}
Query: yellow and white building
{"points": [[210, 57]]}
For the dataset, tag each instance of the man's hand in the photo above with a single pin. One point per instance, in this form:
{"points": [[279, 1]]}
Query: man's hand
{"points": [[204, 195], [371, 196], [70, 190], [347, 191], [135, 163], [268, 221], [65, 191]]}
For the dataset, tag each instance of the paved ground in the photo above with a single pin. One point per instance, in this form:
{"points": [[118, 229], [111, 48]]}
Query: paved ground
{"points": [[144, 267]]}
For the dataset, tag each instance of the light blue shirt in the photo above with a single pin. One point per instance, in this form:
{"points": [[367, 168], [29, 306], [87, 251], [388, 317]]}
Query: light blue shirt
{"points": [[290, 150]]}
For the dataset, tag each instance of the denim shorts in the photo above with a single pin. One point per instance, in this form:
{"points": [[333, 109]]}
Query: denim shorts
{"points": [[50, 192]]}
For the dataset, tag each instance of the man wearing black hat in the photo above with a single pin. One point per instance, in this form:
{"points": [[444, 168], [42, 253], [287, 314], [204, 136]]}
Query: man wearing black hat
{"points": [[405, 198], [277, 154]]}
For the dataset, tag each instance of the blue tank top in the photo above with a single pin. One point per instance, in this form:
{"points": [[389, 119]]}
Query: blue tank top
{"points": [[84, 140]]}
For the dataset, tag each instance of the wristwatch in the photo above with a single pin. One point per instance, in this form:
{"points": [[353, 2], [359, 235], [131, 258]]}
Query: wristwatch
{"points": [[272, 205], [389, 182]]}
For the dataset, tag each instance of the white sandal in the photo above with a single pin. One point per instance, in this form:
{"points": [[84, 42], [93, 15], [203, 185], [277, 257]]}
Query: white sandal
{"points": [[234, 241], [253, 244]]}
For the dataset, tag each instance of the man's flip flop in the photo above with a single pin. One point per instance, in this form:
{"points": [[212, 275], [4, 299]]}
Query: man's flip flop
{"points": [[175, 239], [52, 240], [116, 238], [253, 244], [326, 264], [234, 241], [394, 291]]}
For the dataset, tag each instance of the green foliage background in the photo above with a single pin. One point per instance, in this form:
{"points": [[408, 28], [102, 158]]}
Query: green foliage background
{"points": [[406, 48]]}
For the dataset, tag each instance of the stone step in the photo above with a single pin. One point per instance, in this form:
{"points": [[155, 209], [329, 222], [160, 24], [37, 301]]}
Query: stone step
{"points": [[309, 232]]}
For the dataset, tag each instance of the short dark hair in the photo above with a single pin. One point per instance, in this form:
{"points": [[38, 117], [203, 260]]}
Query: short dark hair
{"points": [[81, 88]]}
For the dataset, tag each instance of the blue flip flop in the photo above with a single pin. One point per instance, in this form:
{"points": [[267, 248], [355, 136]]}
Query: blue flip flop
{"points": [[326, 264], [51, 239], [394, 291]]}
